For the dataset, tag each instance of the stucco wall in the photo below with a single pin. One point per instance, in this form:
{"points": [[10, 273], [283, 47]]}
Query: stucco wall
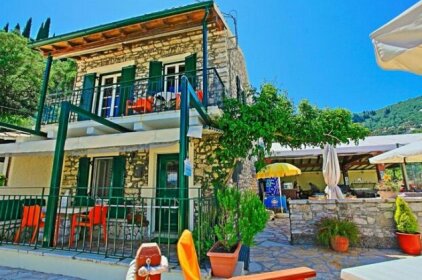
{"points": [[374, 218], [29, 171]]}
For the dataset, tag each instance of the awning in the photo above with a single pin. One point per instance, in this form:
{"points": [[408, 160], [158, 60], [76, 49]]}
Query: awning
{"points": [[409, 153], [398, 43], [119, 142]]}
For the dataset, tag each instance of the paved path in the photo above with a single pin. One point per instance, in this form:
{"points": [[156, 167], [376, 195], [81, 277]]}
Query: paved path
{"points": [[8, 273], [274, 252]]}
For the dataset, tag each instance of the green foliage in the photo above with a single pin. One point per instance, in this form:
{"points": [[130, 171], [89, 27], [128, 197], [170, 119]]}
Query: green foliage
{"points": [[327, 228], [404, 217], [6, 27], [40, 32], [17, 29], [27, 30], [63, 74], [20, 75], [250, 129], [226, 229], [402, 117], [2, 180], [252, 217], [204, 236]]}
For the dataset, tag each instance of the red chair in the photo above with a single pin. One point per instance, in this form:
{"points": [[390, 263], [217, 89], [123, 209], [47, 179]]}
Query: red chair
{"points": [[97, 216], [31, 218], [199, 94], [141, 105]]}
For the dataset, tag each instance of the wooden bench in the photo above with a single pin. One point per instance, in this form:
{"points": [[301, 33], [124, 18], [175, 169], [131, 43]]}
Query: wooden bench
{"points": [[299, 273]]}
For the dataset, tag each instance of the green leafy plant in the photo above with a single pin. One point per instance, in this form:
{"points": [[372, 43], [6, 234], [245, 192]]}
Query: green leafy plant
{"points": [[388, 184], [252, 217], [2, 180], [406, 221], [328, 228], [226, 229]]}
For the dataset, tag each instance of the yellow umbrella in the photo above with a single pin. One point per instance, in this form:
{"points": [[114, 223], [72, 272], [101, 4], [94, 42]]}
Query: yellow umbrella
{"points": [[279, 169]]}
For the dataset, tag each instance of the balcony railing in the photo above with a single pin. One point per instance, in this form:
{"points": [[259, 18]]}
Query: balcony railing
{"points": [[141, 96], [113, 226]]}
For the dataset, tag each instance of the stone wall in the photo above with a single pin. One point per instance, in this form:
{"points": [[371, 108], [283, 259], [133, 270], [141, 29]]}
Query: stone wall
{"points": [[227, 60], [374, 218]]}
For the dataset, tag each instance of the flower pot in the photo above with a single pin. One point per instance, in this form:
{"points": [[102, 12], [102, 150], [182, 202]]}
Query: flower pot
{"points": [[387, 194], [339, 243], [410, 243], [223, 264]]}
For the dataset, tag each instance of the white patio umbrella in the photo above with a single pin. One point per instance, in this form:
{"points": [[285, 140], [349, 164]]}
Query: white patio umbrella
{"points": [[331, 172], [398, 44], [409, 153]]}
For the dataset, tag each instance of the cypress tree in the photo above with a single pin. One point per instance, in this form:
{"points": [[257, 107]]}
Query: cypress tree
{"points": [[27, 30], [17, 29], [39, 34], [46, 31], [6, 27]]}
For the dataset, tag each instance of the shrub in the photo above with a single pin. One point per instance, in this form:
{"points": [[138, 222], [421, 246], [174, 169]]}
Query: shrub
{"points": [[226, 229], [252, 217], [331, 227], [404, 217]]}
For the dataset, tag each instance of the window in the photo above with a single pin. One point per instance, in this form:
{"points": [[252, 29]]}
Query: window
{"points": [[173, 74], [102, 171], [108, 103]]}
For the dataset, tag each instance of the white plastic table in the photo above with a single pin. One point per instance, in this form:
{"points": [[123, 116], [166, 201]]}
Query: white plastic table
{"points": [[408, 268]]}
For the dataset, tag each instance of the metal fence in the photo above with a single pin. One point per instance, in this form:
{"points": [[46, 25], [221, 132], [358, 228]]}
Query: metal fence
{"points": [[113, 226], [142, 96]]}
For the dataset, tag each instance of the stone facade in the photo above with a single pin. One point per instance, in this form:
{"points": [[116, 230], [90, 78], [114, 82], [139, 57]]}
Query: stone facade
{"points": [[374, 218], [223, 55]]}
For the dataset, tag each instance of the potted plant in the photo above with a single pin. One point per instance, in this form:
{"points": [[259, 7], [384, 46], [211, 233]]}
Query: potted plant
{"points": [[336, 233], [2, 180], [225, 252], [388, 188], [408, 235], [252, 219]]}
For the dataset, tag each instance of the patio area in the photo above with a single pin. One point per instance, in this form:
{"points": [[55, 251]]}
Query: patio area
{"points": [[273, 252]]}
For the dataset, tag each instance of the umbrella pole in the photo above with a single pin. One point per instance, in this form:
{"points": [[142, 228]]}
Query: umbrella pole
{"points": [[279, 192], [405, 178]]}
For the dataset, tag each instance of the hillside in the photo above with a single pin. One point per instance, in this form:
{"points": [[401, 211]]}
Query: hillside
{"points": [[402, 117]]}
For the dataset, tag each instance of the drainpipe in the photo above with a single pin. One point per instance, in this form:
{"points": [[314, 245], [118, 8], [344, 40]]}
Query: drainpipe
{"points": [[43, 93], [205, 59]]}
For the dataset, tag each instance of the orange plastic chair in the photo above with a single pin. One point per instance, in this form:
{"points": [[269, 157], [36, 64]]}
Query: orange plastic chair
{"points": [[187, 257], [96, 216], [31, 218], [141, 105]]}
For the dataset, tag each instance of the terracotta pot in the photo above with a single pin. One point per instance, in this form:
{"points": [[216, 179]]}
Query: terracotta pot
{"points": [[339, 243], [409, 243], [223, 264], [387, 194]]}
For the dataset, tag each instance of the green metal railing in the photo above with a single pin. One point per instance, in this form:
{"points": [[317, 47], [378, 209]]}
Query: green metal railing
{"points": [[120, 224], [146, 95]]}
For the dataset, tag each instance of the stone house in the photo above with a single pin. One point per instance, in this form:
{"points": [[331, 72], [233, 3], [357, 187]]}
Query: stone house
{"points": [[130, 74]]}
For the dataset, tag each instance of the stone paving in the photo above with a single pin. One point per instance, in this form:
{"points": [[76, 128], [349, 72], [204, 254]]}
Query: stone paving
{"points": [[9, 273], [273, 252]]}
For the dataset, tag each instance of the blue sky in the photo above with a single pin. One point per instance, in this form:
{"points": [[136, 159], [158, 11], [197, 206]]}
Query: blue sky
{"points": [[318, 50]]}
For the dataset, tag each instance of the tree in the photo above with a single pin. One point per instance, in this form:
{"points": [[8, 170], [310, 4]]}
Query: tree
{"points": [[249, 130], [27, 30], [40, 32], [62, 76], [6, 27], [17, 29], [20, 76], [46, 29]]}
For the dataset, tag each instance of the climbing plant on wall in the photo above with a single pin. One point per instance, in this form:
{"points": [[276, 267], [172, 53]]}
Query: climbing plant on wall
{"points": [[250, 129]]}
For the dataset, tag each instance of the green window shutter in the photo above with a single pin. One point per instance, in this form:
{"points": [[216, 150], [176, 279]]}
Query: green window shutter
{"points": [[190, 69], [83, 175], [117, 188], [155, 81], [238, 89], [126, 87], [88, 89]]}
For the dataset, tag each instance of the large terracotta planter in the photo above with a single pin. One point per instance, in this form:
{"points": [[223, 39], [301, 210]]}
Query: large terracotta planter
{"points": [[387, 194], [339, 244], [223, 264], [409, 243]]}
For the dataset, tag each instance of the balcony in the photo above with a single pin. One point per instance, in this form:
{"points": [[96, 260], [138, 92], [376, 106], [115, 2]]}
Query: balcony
{"points": [[140, 97]]}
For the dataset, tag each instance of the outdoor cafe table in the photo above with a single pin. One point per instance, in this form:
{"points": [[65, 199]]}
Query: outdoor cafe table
{"points": [[409, 268]]}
